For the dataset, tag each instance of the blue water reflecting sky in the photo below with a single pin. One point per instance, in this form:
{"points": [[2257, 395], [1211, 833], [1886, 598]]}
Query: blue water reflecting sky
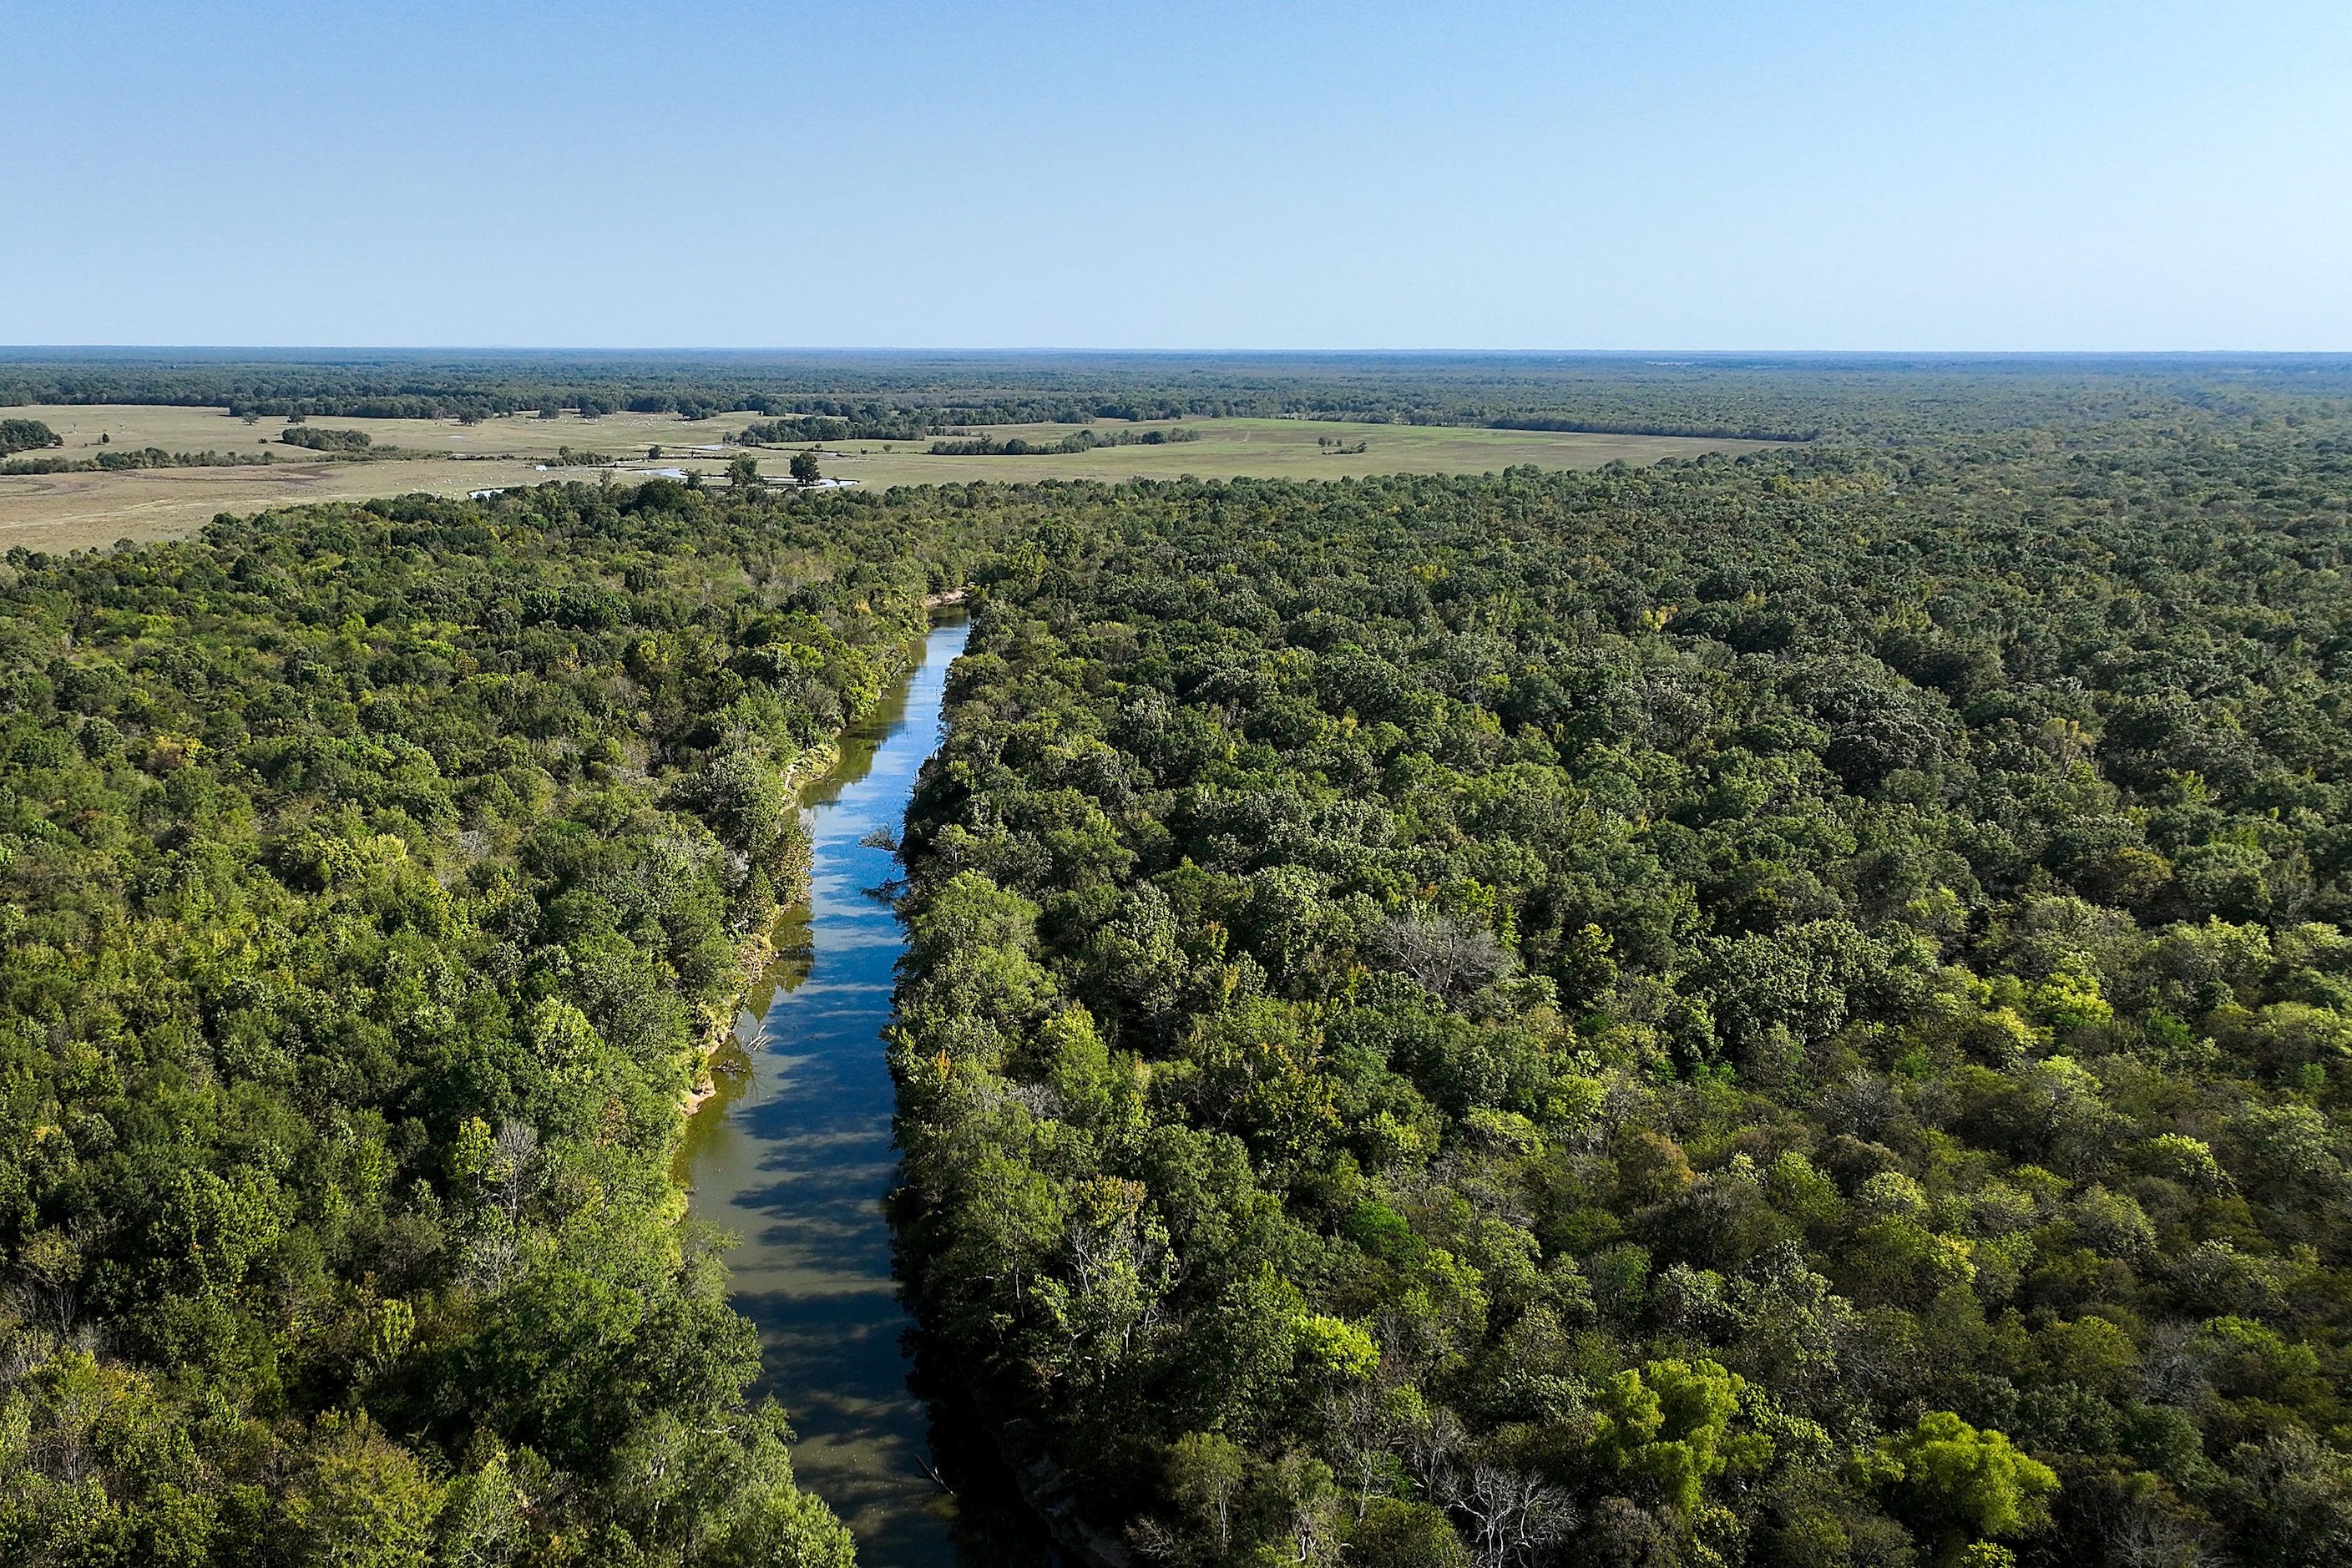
{"points": [[802, 1158]]}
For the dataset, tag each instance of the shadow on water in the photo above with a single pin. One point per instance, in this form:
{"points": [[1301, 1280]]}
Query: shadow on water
{"points": [[794, 1156]]}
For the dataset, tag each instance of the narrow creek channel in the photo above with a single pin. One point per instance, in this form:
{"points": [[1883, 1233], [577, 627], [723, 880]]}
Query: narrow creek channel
{"points": [[793, 1153]]}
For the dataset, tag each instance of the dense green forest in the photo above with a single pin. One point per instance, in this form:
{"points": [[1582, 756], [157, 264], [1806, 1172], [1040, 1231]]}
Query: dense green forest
{"points": [[1788, 1011], [908, 397], [371, 879]]}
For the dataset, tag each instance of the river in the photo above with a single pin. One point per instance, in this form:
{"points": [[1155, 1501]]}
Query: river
{"points": [[793, 1155]]}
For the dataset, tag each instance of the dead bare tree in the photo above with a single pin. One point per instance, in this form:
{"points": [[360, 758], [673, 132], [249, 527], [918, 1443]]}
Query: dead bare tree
{"points": [[1513, 1515], [1368, 1433], [1443, 956], [515, 1164]]}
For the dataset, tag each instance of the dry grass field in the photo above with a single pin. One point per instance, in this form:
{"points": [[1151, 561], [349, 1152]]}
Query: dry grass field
{"points": [[70, 512], [1274, 449]]}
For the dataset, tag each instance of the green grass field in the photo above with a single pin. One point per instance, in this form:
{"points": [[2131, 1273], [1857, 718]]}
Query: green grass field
{"points": [[66, 511]]}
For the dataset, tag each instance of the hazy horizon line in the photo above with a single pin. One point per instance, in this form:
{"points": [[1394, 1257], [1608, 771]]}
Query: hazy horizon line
{"points": [[14, 350]]}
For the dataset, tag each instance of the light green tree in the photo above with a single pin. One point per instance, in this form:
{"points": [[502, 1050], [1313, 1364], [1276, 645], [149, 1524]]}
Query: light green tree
{"points": [[1670, 1421], [1955, 1482], [366, 1502]]}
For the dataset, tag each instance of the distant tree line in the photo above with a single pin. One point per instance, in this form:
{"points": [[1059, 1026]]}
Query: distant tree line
{"points": [[1076, 441], [877, 424], [1596, 425], [1873, 399], [136, 458]]}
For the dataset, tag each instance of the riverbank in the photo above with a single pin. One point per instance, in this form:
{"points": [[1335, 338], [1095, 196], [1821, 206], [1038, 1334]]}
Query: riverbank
{"points": [[757, 952]]}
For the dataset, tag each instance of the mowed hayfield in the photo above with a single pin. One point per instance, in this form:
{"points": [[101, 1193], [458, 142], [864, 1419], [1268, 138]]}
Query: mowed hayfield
{"points": [[70, 511]]}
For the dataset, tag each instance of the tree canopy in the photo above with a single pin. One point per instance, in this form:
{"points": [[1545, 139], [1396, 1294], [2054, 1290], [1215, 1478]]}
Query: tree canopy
{"points": [[371, 879], [1789, 1011]]}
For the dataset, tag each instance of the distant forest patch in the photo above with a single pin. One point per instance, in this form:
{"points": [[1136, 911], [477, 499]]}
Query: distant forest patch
{"points": [[320, 440], [26, 435]]}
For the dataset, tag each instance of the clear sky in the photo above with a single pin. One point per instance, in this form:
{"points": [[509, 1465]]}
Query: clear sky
{"points": [[1641, 174]]}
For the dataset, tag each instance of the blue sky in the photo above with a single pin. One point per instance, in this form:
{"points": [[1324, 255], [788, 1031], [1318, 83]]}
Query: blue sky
{"points": [[1656, 176]]}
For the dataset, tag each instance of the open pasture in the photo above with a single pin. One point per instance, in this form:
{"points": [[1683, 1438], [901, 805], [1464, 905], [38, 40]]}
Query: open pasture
{"points": [[69, 512], [1271, 448]]}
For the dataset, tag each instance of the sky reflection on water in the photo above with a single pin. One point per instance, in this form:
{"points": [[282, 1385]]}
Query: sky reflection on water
{"points": [[794, 1156]]}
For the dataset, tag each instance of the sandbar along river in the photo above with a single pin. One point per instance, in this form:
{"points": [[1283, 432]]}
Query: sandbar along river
{"points": [[793, 1154]]}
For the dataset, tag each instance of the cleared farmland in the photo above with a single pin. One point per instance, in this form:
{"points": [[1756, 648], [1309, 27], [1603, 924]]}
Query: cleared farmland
{"points": [[67, 511]]}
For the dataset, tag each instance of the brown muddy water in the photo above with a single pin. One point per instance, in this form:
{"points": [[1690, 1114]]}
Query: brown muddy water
{"points": [[793, 1155]]}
